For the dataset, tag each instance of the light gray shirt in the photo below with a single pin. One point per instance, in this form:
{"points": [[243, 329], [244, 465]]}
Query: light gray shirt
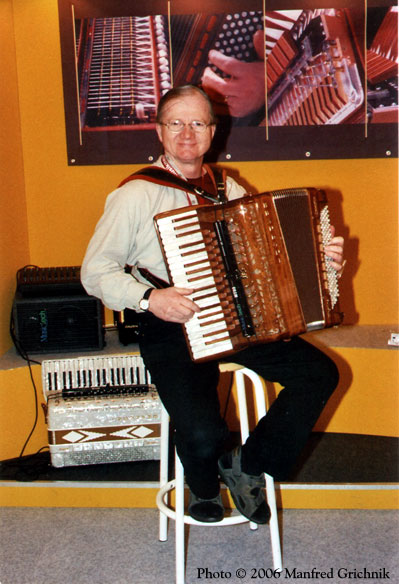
{"points": [[125, 234]]}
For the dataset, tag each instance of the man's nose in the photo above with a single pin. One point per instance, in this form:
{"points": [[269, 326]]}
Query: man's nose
{"points": [[187, 130]]}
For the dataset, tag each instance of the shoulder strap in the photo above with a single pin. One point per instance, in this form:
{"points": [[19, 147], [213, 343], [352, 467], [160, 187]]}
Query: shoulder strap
{"points": [[163, 177], [220, 181]]}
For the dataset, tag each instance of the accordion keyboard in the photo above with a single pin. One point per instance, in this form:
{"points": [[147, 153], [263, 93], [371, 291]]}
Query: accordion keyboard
{"points": [[95, 376], [191, 267]]}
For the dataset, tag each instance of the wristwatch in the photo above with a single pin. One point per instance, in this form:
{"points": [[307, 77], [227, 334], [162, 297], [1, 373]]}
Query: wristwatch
{"points": [[144, 303]]}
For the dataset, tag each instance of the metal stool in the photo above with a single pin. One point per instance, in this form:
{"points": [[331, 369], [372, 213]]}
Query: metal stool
{"points": [[177, 514]]}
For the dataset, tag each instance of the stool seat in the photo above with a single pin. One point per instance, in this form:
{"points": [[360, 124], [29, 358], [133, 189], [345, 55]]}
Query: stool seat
{"points": [[177, 484]]}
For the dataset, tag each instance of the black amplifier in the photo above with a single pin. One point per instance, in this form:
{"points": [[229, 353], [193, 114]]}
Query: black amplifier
{"points": [[52, 313], [35, 281]]}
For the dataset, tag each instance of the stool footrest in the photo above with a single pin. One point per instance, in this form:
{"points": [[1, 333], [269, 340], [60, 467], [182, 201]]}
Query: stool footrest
{"points": [[234, 519]]}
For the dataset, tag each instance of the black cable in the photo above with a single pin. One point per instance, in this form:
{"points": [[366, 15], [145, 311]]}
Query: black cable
{"points": [[36, 411], [23, 353]]}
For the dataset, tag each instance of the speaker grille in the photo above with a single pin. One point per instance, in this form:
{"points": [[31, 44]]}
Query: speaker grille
{"points": [[58, 324]]}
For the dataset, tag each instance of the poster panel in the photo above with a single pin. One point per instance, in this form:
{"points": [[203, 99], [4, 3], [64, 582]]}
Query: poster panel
{"points": [[294, 82]]}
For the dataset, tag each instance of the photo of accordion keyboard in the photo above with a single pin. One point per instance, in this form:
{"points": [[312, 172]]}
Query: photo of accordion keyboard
{"points": [[257, 266]]}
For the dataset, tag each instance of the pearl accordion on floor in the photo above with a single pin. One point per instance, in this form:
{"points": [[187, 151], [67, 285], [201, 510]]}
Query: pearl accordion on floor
{"points": [[101, 409], [257, 266]]}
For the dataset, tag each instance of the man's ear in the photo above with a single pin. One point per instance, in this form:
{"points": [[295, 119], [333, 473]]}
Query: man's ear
{"points": [[158, 128]]}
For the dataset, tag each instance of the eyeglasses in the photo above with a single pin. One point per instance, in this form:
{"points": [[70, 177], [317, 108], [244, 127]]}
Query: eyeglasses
{"points": [[177, 126]]}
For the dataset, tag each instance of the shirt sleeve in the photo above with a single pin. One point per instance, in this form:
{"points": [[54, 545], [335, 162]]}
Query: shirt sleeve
{"points": [[103, 268], [233, 189]]}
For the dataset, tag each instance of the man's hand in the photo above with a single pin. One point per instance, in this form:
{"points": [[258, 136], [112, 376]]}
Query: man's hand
{"points": [[172, 304], [244, 88], [243, 91], [335, 251]]}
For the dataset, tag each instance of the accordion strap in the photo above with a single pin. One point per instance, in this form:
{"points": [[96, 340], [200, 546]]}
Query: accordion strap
{"points": [[163, 177]]}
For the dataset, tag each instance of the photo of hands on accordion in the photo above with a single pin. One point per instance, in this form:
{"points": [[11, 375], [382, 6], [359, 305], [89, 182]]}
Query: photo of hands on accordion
{"points": [[262, 68]]}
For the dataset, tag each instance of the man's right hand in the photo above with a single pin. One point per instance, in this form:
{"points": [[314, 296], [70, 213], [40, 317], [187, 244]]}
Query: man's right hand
{"points": [[172, 304]]}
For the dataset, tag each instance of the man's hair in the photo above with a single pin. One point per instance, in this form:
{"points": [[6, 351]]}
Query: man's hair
{"points": [[181, 91]]}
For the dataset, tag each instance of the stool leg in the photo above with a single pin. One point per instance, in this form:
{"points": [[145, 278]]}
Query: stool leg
{"points": [[270, 490], [179, 523], [163, 469], [243, 412], [273, 524], [242, 405]]}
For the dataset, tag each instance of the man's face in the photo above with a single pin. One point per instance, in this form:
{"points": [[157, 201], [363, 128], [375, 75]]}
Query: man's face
{"points": [[187, 147]]}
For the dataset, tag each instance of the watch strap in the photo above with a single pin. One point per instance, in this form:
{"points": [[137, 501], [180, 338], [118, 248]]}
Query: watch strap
{"points": [[147, 293]]}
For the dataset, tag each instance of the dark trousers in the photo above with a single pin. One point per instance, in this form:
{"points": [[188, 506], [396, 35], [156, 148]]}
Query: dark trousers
{"points": [[189, 392]]}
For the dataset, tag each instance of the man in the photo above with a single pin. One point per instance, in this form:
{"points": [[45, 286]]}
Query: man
{"points": [[125, 235]]}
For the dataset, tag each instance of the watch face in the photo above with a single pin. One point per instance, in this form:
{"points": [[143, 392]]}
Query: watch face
{"points": [[144, 304]]}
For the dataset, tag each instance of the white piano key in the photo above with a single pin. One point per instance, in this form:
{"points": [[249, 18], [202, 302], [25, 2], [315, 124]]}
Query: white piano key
{"points": [[176, 221], [187, 260], [180, 279], [175, 232], [180, 242], [191, 272], [202, 351], [203, 283], [179, 232], [205, 332], [199, 293], [171, 219], [169, 232], [213, 315], [199, 341], [206, 316], [179, 252], [208, 301], [199, 266], [196, 276]]}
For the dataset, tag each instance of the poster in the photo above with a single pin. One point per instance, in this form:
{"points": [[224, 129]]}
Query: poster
{"points": [[305, 81]]}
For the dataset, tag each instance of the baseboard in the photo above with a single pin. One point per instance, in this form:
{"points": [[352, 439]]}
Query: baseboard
{"points": [[128, 494]]}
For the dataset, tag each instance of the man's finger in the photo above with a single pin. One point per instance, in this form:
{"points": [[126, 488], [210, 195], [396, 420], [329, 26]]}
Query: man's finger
{"points": [[259, 44], [214, 82], [228, 65]]}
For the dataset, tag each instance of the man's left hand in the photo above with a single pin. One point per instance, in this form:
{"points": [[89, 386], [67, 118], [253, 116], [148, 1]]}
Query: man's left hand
{"points": [[335, 251]]}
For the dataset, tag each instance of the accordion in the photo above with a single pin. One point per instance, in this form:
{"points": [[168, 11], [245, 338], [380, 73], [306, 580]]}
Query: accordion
{"points": [[257, 267], [100, 410]]}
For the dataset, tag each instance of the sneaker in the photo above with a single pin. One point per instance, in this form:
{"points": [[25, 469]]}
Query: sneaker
{"points": [[247, 491], [205, 510]]}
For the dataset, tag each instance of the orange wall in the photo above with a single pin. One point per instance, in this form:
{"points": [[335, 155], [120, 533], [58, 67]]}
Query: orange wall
{"points": [[14, 247], [63, 203]]}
